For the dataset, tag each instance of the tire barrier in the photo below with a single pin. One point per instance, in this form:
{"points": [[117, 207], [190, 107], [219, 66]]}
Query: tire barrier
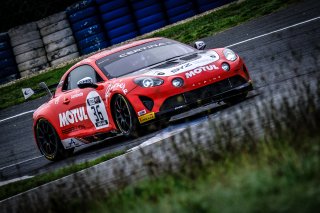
{"points": [[149, 15], [86, 27], [58, 38], [178, 10], [205, 5], [8, 67], [117, 20], [28, 49]]}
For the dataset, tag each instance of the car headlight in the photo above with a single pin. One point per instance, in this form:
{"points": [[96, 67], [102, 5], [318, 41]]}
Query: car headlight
{"points": [[148, 81], [225, 66], [230, 55], [177, 82]]}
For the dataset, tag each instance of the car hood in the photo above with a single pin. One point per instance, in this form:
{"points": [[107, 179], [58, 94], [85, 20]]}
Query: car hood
{"points": [[178, 66]]}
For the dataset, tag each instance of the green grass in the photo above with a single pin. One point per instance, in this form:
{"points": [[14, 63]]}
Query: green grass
{"points": [[12, 94], [223, 19], [188, 32], [24, 185], [276, 178]]}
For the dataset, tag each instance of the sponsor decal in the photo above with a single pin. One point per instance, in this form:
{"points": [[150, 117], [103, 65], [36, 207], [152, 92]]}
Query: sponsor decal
{"points": [[72, 116], [73, 129], [97, 110], [142, 112], [111, 87], [71, 142], [205, 60], [131, 52], [76, 95], [200, 70], [147, 117], [184, 66]]}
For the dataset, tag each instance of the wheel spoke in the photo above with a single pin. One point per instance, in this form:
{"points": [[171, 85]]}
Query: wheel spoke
{"points": [[47, 137], [40, 131], [122, 114]]}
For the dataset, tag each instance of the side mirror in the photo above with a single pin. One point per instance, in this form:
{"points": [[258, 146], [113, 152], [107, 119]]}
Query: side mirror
{"points": [[199, 45], [86, 82], [46, 88]]}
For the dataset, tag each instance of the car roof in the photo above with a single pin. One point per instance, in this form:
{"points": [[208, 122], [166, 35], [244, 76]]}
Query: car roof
{"points": [[104, 53]]}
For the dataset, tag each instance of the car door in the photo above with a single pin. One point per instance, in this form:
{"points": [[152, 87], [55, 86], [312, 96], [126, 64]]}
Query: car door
{"points": [[82, 111]]}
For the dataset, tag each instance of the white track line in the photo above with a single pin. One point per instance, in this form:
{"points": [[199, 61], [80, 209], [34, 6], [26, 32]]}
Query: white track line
{"points": [[276, 31], [23, 113], [241, 42], [21, 162]]}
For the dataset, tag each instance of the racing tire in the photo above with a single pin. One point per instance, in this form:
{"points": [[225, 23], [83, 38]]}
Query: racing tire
{"points": [[26, 47], [57, 36], [53, 19], [108, 6], [111, 15], [4, 45], [63, 59], [85, 23], [82, 14], [52, 28], [64, 42], [125, 117], [49, 141], [142, 4], [122, 38], [148, 11], [236, 99]]}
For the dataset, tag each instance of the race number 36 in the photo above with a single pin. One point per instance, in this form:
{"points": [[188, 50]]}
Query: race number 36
{"points": [[97, 110]]}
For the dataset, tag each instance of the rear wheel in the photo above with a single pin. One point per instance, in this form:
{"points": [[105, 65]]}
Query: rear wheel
{"points": [[236, 99], [49, 141], [125, 117]]}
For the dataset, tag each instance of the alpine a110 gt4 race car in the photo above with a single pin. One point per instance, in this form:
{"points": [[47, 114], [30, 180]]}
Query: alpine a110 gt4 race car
{"points": [[118, 91]]}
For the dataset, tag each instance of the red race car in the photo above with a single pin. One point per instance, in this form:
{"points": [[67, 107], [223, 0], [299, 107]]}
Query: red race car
{"points": [[120, 90]]}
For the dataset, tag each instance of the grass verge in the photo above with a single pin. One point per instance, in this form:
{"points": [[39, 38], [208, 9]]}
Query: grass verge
{"points": [[187, 32], [24, 185], [276, 178]]}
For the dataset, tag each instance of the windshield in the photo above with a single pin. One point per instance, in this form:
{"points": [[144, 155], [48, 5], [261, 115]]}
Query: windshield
{"points": [[140, 57]]}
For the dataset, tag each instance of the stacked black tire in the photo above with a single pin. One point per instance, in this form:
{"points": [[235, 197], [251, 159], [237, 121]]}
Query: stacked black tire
{"points": [[85, 24], [28, 49], [117, 20], [205, 5], [58, 39], [178, 10], [8, 67], [149, 15]]}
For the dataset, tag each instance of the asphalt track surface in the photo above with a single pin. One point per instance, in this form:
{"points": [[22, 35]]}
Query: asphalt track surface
{"points": [[278, 49]]}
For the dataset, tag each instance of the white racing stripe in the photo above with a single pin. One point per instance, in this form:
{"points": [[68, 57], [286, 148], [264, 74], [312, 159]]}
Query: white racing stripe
{"points": [[21, 162], [23, 113], [276, 31]]}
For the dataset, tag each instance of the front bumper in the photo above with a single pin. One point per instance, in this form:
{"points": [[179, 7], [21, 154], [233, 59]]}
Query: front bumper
{"points": [[205, 95]]}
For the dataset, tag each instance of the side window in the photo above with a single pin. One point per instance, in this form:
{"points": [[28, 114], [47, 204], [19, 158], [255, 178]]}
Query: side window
{"points": [[78, 74]]}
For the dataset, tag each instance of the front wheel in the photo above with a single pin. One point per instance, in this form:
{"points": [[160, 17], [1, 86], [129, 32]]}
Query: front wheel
{"points": [[125, 117], [49, 141]]}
